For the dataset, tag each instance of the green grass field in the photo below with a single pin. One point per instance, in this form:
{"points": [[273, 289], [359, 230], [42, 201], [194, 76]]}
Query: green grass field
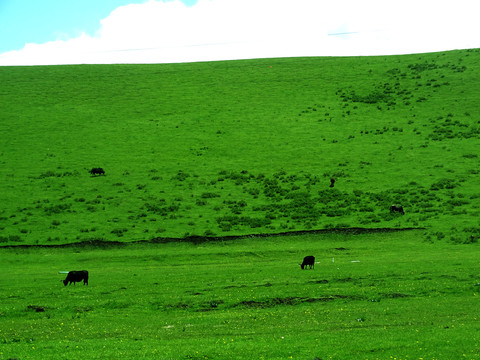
{"points": [[384, 295], [240, 147], [204, 163]]}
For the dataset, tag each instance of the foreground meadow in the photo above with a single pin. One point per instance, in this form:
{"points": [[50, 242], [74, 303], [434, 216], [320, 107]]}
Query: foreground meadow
{"points": [[376, 295]]}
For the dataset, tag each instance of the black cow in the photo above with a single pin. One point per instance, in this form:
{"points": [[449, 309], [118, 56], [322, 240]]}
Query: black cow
{"points": [[308, 261], [97, 171], [397, 209], [76, 276], [332, 182]]}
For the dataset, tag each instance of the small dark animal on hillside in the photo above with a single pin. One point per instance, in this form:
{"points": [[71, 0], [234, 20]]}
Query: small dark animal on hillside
{"points": [[308, 261], [397, 209], [76, 276], [97, 171], [332, 182]]}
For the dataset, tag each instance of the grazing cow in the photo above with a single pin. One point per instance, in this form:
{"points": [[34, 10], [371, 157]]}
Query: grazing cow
{"points": [[76, 276], [397, 209], [332, 182], [97, 171], [308, 261]]}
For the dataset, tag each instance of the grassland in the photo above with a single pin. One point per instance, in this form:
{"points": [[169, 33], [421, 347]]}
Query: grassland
{"points": [[240, 147], [378, 295], [196, 154]]}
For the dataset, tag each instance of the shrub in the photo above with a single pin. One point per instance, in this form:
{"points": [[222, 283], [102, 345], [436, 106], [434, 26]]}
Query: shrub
{"points": [[57, 209], [200, 202], [209, 233], [372, 98], [161, 210], [48, 173], [272, 189], [209, 195], [457, 202], [443, 184], [464, 240], [10, 238], [93, 202], [227, 222], [119, 232], [253, 191], [181, 176]]}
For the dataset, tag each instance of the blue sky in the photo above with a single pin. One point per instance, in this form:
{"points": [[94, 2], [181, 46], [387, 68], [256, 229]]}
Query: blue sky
{"points": [[40, 21], [148, 31]]}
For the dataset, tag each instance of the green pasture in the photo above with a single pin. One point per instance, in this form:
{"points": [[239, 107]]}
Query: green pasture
{"points": [[374, 295], [240, 147]]}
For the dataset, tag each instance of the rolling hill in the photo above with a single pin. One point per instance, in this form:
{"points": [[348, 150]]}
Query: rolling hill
{"points": [[240, 147]]}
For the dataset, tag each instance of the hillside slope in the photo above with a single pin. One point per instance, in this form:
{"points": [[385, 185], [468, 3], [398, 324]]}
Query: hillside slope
{"points": [[240, 147]]}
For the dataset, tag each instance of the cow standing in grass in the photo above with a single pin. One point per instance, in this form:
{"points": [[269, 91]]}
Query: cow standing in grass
{"points": [[76, 276], [308, 261], [397, 209], [97, 171]]}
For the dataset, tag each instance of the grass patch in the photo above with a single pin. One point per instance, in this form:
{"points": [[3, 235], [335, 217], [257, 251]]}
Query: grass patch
{"points": [[372, 295]]}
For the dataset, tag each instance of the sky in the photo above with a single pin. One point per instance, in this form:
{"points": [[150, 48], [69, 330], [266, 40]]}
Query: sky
{"points": [[51, 32]]}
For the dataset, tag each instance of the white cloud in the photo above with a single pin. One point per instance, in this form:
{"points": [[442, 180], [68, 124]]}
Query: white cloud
{"points": [[158, 31]]}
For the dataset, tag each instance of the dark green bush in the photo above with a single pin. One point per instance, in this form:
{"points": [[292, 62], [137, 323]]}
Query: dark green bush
{"points": [[119, 232], [228, 222], [161, 210], [181, 176], [209, 195], [200, 202], [10, 238], [57, 209], [443, 184]]}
